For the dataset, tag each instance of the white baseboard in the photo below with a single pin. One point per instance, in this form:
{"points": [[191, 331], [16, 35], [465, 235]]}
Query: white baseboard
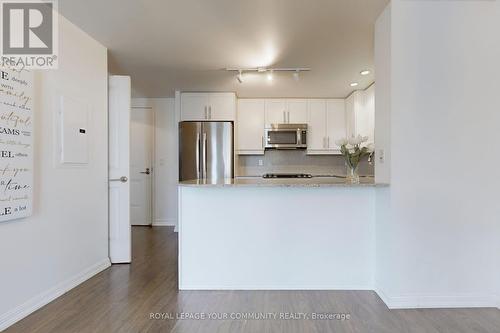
{"points": [[11, 317], [164, 223], [275, 287], [416, 301]]}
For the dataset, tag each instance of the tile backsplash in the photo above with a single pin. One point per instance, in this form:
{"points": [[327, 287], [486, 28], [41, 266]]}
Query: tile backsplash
{"points": [[296, 161]]}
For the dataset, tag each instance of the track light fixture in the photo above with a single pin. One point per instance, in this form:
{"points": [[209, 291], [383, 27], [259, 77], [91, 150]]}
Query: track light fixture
{"points": [[270, 71], [239, 77], [270, 75]]}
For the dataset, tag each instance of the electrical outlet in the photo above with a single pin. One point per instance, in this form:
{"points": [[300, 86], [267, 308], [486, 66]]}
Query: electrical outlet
{"points": [[381, 156], [261, 162]]}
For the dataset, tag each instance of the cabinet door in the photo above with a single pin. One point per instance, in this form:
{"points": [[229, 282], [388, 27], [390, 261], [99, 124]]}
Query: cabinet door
{"points": [[365, 114], [336, 122], [222, 106], [350, 115], [297, 111], [316, 130], [250, 126], [194, 106], [275, 111]]}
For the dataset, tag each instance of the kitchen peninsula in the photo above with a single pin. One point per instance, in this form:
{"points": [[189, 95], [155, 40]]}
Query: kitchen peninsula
{"points": [[255, 233]]}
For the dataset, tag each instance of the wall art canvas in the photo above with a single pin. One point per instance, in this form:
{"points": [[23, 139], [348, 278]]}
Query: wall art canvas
{"points": [[16, 143]]}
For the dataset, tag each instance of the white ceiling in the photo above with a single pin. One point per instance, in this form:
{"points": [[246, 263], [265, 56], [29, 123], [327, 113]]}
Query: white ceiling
{"points": [[168, 45]]}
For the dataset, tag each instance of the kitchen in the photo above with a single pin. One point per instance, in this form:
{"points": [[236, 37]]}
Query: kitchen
{"points": [[281, 168]]}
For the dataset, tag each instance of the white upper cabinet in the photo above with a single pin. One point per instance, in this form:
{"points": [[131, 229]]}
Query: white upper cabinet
{"points": [[296, 111], [222, 106], [250, 126], [365, 118], [282, 111], [360, 114], [194, 106], [208, 106], [326, 124], [276, 111], [316, 130], [336, 123]]}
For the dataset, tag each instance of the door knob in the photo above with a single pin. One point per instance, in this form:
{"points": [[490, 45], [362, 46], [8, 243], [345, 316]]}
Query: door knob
{"points": [[147, 172], [121, 179]]}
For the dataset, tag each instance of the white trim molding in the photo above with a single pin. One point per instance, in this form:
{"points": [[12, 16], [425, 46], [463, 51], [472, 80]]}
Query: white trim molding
{"points": [[277, 287], [165, 223], [429, 301], [11, 317]]}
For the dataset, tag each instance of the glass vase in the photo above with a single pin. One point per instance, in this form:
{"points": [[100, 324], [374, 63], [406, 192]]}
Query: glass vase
{"points": [[352, 174]]}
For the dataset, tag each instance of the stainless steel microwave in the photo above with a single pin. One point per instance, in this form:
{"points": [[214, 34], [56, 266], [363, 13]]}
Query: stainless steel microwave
{"points": [[286, 136]]}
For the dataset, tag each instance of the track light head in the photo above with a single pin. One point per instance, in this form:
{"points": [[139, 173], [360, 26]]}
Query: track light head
{"points": [[270, 75]]}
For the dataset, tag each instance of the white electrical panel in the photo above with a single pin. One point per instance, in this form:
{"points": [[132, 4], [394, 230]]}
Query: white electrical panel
{"points": [[74, 131]]}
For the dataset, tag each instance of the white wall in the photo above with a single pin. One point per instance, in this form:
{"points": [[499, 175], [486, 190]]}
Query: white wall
{"points": [[383, 96], [66, 239], [165, 168], [439, 229]]}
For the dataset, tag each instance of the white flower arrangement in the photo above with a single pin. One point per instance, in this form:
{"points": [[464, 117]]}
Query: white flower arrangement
{"points": [[353, 149]]}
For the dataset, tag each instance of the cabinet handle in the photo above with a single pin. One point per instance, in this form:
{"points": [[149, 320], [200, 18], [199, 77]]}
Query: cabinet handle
{"points": [[288, 122], [210, 112], [206, 115], [328, 142]]}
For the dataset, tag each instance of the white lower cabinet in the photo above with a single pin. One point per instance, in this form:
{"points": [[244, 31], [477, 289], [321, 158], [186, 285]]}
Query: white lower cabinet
{"points": [[250, 126]]}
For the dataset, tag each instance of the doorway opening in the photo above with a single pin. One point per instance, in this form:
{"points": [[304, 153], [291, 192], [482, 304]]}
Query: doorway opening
{"points": [[142, 129]]}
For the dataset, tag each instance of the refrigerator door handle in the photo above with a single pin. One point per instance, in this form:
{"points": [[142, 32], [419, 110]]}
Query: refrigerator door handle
{"points": [[205, 155], [198, 167]]}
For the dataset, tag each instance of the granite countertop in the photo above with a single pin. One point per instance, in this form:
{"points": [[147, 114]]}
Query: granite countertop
{"points": [[261, 182]]}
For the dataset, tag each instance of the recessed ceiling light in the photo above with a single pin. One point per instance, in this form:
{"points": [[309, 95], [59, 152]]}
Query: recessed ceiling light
{"points": [[365, 72], [354, 84]]}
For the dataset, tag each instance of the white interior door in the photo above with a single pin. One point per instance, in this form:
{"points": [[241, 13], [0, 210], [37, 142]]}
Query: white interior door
{"points": [[120, 240], [141, 162]]}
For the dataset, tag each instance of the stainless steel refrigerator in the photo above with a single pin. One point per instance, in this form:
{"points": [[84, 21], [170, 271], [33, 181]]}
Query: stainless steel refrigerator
{"points": [[206, 150]]}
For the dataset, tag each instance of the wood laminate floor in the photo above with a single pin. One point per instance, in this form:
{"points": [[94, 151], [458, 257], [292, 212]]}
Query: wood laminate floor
{"points": [[123, 297]]}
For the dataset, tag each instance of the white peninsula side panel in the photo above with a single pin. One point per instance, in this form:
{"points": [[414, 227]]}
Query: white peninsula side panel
{"points": [[244, 238]]}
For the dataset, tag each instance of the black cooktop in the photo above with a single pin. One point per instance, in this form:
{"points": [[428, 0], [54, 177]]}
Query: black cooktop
{"points": [[286, 175]]}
